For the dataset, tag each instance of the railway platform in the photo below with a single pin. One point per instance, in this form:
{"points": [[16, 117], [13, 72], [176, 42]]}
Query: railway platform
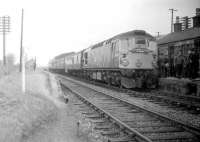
{"points": [[180, 86]]}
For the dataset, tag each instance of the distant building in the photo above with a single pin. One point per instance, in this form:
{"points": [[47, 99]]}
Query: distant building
{"points": [[183, 41]]}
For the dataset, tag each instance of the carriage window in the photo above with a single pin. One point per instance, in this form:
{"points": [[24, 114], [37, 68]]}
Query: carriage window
{"points": [[86, 57], [140, 41]]}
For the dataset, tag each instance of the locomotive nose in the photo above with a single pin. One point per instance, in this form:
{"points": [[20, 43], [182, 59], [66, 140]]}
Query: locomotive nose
{"points": [[138, 63]]}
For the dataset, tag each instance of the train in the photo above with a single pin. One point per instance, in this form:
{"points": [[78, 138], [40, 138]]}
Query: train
{"points": [[126, 60]]}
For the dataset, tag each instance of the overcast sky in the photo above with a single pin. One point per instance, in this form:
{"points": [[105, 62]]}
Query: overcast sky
{"points": [[52, 27]]}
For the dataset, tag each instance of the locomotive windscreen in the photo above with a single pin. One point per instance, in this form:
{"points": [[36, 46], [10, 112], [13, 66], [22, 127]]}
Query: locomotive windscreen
{"points": [[139, 32], [140, 41]]}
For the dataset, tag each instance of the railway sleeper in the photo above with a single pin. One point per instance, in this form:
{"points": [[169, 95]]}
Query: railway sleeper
{"points": [[132, 111], [94, 117], [79, 104], [100, 122], [122, 139], [140, 120], [83, 109], [137, 117], [148, 124], [88, 113], [115, 105], [125, 110], [103, 127], [129, 115], [158, 129], [113, 108], [110, 103], [178, 136], [110, 133]]}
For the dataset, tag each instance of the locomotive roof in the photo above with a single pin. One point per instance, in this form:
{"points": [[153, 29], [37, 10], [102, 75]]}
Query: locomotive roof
{"points": [[134, 33], [63, 55], [180, 36], [125, 35]]}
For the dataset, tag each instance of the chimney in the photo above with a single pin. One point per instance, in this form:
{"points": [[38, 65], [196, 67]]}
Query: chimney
{"points": [[196, 19], [186, 22], [177, 25]]}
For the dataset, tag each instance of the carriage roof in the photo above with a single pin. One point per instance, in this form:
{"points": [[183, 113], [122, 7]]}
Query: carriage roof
{"points": [[63, 55]]}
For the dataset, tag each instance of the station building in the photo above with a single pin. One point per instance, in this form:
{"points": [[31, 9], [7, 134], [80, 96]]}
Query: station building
{"points": [[186, 37]]}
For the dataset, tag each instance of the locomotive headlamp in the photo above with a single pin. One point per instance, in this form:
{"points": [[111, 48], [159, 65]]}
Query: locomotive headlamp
{"points": [[124, 62]]}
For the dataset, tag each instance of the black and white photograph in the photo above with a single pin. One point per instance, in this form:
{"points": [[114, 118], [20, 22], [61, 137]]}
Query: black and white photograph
{"points": [[100, 71]]}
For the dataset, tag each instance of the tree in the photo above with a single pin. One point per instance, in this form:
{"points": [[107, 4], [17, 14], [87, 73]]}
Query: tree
{"points": [[10, 59], [10, 63]]}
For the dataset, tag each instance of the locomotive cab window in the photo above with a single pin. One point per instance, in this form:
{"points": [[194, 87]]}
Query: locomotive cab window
{"points": [[140, 41]]}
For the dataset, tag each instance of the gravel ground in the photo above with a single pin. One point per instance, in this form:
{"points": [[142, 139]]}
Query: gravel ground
{"points": [[63, 129], [184, 116], [22, 113], [39, 115]]}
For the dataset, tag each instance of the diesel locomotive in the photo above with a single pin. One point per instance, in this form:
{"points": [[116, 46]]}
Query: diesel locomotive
{"points": [[126, 60]]}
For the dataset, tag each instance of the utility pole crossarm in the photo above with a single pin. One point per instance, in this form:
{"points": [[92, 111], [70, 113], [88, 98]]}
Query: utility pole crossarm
{"points": [[4, 29]]}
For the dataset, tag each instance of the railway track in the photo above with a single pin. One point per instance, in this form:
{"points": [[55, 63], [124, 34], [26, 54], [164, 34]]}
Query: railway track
{"points": [[137, 123], [188, 103], [182, 102]]}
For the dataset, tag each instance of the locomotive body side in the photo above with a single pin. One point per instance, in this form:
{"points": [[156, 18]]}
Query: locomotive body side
{"points": [[101, 57]]}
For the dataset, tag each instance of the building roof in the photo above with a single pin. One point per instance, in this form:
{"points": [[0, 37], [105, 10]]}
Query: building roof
{"points": [[180, 36], [63, 55]]}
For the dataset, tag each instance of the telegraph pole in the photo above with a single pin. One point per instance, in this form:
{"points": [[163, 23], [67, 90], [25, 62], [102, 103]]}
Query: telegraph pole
{"points": [[172, 17], [22, 54], [4, 28], [158, 34], [21, 41]]}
